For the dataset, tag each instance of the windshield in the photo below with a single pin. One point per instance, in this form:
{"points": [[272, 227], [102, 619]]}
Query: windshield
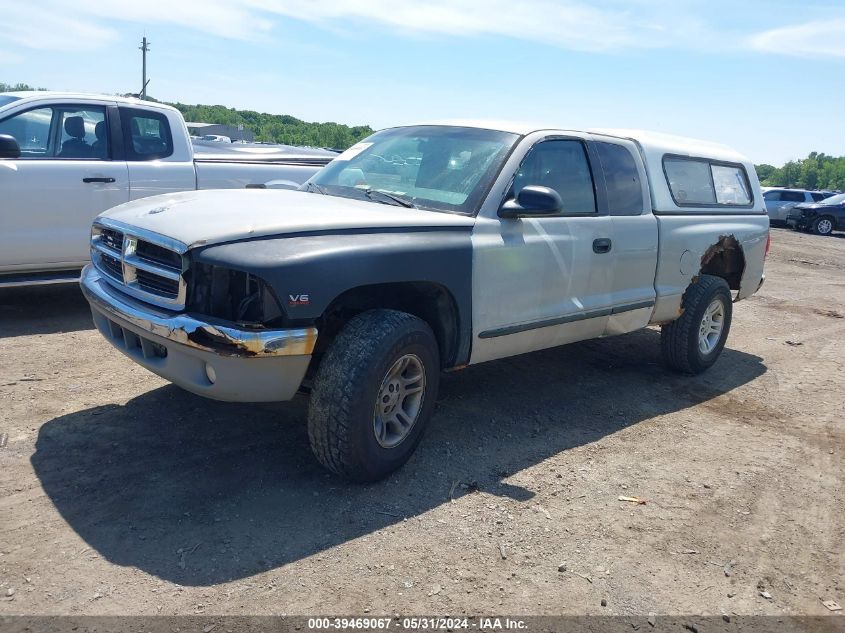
{"points": [[432, 167], [6, 99], [839, 199]]}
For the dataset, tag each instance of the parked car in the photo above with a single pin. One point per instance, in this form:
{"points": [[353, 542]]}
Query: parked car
{"points": [[822, 218], [779, 201], [64, 158], [216, 138], [422, 249]]}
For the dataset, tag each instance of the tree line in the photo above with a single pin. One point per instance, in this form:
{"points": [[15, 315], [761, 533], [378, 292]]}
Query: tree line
{"points": [[270, 128], [817, 171], [278, 128]]}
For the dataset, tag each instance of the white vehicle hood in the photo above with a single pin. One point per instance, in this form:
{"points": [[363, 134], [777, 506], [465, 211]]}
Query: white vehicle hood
{"points": [[198, 218]]}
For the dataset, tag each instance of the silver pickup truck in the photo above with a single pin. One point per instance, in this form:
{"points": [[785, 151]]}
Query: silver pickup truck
{"points": [[423, 249], [67, 157]]}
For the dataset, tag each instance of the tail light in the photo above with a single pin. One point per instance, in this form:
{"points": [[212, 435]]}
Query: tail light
{"points": [[768, 244]]}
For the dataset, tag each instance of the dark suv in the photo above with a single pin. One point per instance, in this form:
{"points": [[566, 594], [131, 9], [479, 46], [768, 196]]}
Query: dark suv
{"points": [[822, 218]]}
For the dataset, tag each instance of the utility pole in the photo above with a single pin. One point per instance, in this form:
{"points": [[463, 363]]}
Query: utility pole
{"points": [[144, 48]]}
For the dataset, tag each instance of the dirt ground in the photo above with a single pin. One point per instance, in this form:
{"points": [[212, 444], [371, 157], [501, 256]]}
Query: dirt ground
{"points": [[121, 494]]}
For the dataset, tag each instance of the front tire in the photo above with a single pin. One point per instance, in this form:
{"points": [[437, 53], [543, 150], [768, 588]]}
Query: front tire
{"points": [[823, 225], [693, 342], [373, 394]]}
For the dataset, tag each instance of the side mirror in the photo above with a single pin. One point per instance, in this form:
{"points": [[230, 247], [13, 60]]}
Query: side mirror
{"points": [[533, 202], [9, 147]]}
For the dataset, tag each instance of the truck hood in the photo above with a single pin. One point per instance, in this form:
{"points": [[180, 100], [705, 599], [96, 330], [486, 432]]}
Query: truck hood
{"points": [[198, 218]]}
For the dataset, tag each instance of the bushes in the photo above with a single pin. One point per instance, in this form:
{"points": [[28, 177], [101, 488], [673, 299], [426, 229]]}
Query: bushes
{"points": [[817, 171], [278, 128]]}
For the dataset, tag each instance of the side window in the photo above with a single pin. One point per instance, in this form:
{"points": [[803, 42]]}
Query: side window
{"points": [[561, 165], [792, 196], [818, 197], [690, 181], [695, 181], [83, 133], [31, 130], [146, 135], [624, 189], [62, 131], [772, 196], [731, 185]]}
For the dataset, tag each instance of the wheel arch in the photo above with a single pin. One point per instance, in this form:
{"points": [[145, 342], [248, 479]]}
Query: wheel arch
{"points": [[725, 259], [432, 302]]}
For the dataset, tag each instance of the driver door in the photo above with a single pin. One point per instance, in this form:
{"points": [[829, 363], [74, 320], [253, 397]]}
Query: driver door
{"points": [[544, 281], [64, 177]]}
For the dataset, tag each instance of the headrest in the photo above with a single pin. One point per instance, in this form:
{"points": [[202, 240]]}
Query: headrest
{"points": [[100, 131], [75, 126]]}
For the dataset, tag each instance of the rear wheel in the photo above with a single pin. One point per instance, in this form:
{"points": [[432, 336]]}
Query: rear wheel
{"points": [[373, 394], [693, 342], [823, 225]]}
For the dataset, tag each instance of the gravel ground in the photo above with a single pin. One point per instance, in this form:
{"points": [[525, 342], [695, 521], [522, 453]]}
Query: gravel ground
{"points": [[122, 494]]}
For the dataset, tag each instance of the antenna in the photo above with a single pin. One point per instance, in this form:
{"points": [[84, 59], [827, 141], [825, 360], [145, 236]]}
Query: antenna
{"points": [[144, 48]]}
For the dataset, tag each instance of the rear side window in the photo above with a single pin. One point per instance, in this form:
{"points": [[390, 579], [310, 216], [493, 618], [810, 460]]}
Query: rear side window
{"points": [[792, 196], [771, 196], [146, 135], [818, 197], [731, 185], [699, 182], [624, 189]]}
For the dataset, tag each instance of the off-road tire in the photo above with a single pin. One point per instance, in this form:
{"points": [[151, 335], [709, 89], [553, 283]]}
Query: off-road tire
{"points": [[679, 339], [816, 223], [346, 385]]}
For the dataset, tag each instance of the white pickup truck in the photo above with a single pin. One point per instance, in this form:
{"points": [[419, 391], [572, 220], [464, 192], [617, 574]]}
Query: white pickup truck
{"points": [[422, 249], [65, 158]]}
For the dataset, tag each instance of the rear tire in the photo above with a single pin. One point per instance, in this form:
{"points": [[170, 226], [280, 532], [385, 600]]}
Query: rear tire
{"points": [[373, 394], [823, 225], [693, 342]]}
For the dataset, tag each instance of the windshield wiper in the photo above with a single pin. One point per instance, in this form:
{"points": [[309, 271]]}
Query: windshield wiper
{"points": [[312, 186], [395, 199]]}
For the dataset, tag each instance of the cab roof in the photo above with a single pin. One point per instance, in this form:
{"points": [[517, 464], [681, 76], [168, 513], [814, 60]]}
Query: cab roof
{"points": [[651, 143], [36, 95]]}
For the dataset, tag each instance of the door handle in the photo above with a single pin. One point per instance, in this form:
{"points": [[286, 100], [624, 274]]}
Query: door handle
{"points": [[602, 245], [97, 179]]}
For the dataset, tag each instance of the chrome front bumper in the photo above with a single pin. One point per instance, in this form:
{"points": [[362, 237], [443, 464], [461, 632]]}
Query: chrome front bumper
{"points": [[212, 359]]}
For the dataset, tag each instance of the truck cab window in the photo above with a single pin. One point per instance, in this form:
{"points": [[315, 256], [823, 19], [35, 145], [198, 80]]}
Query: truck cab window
{"points": [[31, 129], [62, 131], [561, 165], [146, 135], [624, 189]]}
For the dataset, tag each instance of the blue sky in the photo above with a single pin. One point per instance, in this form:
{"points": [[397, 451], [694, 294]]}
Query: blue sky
{"points": [[741, 72]]}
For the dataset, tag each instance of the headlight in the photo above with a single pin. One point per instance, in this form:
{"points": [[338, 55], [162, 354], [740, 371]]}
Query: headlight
{"points": [[231, 295]]}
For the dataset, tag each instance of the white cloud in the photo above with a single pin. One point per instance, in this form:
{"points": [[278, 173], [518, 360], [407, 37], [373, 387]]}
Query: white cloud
{"points": [[823, 38], [38, 26], [582, 25], [575, 24]]}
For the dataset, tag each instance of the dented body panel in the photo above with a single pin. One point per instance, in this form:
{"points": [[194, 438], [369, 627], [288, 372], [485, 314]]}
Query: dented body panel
{"points": [[686, 241]]}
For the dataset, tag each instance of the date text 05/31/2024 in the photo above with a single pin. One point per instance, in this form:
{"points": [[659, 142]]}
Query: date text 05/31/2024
{"points": [[416, 623]]}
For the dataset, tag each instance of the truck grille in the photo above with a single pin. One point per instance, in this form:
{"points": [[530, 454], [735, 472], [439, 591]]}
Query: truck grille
{"points": [[147, 266]]}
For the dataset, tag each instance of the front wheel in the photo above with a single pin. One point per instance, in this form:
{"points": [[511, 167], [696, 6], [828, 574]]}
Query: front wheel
{"points": [[823, 226], [693, 342], [373, 394]]}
